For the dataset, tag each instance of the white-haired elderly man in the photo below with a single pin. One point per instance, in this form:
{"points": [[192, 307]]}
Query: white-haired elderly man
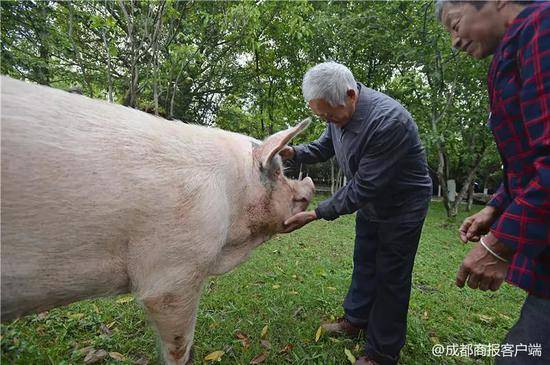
{"points": [[376, 144]]}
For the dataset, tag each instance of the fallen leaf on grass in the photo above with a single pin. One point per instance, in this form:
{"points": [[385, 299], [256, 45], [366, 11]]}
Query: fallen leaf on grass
{"points": [[40, 330], [76, 315], [214, 356], [350, 356], [485, 319], [106, 330], [258, 359], [425, 315], [276, 286], [265, 344], [95, 356], [141, 361], [264, 332], [86, 350], [318, 333], [243, 338], [286, 349], [42, 315], [117, 356], [95, 308], [124, 300]]}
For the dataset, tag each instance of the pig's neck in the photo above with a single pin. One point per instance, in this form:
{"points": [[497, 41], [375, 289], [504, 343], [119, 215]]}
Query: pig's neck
{"points": [[250, 225]]}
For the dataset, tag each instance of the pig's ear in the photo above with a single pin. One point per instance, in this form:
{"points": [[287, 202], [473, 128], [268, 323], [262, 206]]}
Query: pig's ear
{"points": [[274, 143]]}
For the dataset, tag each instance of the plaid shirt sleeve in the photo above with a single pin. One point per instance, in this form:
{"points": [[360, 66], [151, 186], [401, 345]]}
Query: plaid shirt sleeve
{"points": [[500, 199], [525, 224]]}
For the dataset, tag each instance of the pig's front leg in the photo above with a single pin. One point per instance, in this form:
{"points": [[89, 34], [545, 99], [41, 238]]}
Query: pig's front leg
{"points": [[173, 312]]}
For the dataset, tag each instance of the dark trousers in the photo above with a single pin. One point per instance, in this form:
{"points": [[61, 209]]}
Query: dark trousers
{"points": [[381, 284], [531, 331]]}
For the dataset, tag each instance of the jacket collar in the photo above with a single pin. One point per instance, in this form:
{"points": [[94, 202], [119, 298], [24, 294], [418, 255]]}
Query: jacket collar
{"points": [[356, 122]]}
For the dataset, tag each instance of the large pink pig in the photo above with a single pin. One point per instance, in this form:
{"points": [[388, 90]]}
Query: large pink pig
{"points": [[99, 200]]}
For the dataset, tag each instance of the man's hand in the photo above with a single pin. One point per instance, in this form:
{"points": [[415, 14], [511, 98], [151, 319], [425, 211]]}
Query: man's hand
{"points": [[287, 153], [478, 224], [299, 220], [480, 269]]}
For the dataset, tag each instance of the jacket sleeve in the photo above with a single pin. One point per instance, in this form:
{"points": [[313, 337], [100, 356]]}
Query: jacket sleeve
{"points": [[319, 150], [377, 167]]}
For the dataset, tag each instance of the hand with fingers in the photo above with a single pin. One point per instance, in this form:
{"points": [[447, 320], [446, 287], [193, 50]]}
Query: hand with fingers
{"points": [[485, 266], [287, 153], [478, 224], [299, 220]]}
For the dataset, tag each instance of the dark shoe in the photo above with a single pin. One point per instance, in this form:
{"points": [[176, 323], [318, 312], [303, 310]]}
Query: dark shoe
{"points": [[363, 360], [343, 327]]}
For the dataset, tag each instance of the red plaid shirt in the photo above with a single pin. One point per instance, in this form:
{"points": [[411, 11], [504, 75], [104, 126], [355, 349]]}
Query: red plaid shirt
{"points": [[519, 92]]}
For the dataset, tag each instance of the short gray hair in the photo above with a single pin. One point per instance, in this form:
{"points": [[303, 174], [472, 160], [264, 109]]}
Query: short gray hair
{"points": [[439, 4], [329, 81]]}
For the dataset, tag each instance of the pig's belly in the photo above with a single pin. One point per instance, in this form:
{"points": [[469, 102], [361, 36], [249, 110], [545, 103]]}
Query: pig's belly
{"points": [[37, 276]]}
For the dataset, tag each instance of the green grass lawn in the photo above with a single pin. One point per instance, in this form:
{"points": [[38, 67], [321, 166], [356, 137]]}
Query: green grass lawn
{"points": [[290, 284]]}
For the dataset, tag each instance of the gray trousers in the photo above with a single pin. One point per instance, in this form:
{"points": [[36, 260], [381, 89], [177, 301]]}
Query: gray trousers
{"points": [[532, 328]]}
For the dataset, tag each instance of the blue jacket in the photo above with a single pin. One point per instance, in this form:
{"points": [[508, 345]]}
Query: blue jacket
{"points": [[380, 153]]}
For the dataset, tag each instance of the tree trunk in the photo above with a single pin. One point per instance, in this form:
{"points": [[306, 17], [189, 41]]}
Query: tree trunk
{"points": [[43, 70], [442, 167], [470, 197], [155, 41], [78, 58], [109, 67], [175, 89], [466, 183], [131, 95], [442, 177]]}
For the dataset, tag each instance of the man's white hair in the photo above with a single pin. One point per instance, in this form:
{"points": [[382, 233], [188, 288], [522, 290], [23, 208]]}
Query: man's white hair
{"points": [[329, 81], [439, 5]]}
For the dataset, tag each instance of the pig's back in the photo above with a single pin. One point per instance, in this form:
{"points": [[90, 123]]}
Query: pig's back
{"points": [[60, 150], [72, 155]]}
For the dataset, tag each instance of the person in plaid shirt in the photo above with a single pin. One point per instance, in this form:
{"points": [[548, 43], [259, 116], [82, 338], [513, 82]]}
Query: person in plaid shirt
{"points": [[513, 230]]}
